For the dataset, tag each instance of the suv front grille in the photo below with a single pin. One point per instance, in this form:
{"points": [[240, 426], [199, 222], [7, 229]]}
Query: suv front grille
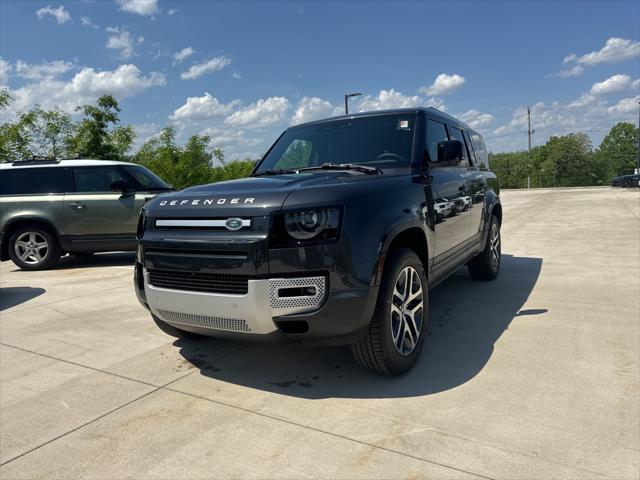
{"points": [[200, 282]]}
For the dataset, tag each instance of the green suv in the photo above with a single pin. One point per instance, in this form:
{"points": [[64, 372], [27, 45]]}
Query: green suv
{"points": [[52, 207]]}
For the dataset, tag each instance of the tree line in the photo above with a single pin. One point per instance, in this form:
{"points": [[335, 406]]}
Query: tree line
{"points": [[563, 161], [570, 160], [99, 134]]}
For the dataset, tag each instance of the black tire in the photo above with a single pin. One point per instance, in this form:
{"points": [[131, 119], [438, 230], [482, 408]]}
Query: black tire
{"points": [[175, 332], [377, 351], [486, 265], [32, 247]]}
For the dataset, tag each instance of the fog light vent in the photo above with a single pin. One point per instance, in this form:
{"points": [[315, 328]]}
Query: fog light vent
{"points": [[296, 295]]}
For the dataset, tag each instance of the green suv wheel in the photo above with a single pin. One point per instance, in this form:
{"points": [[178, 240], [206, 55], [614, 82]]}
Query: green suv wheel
{"points": [[33, 248]]}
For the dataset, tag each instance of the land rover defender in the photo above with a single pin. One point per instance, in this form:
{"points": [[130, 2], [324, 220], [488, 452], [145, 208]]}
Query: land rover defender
{"points": [[335, 238]]}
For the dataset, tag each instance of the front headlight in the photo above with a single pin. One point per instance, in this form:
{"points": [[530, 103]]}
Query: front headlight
{"points": [[298, 227], [308, 224]]}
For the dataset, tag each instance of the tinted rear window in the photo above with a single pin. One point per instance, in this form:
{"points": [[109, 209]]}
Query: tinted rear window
{"points": [[34, 181], [480, 149]]}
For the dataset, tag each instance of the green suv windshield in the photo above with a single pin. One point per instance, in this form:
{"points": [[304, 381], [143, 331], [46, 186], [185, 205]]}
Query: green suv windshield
{"points": [[383, 142], [147, 179]]}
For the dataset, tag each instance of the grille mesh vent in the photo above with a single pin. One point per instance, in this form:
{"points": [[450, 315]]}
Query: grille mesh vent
{"points": [[205, 321], [200, 282], [278, 302]]}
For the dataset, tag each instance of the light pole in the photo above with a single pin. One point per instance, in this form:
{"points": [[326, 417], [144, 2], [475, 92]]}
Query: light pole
{"points": [[638, 146], [346, 101]]}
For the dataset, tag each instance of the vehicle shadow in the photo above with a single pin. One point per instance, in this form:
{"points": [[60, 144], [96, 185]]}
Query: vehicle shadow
{"points": [[110, 259], [466, 320], [12, 296]]}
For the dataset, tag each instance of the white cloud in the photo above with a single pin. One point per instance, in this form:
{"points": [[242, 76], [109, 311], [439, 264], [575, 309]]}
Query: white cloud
{"points": [[199, 69], [121, 40], [144, 133], [615, 50], [260, 114], [444, 84], [573, 71], [140, 7], [43, 70], [207, 106], [86, 21], [475, 119], [590, 114], [614, 84], [5, 70], [311, 108], [84, 87], [59, 14], [230, 138], [436, 102], [183, 54], [172, 11], [236, 75], [388, 99], [625, 106]]}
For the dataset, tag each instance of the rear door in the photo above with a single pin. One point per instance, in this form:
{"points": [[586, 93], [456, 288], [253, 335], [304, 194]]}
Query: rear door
{"points": [[447, 183], [97, 217], [476, 185]]}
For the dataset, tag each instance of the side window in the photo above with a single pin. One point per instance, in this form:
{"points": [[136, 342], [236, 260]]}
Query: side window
{"points": [[436, 133], [472, 155], [481, 150], [31, 181], [456, 134], [297, 155], [96, 179]]}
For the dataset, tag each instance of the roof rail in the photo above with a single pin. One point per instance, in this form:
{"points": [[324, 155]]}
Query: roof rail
{"points": [[36, 160]]}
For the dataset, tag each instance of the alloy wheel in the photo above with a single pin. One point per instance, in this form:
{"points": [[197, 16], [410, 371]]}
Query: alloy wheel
{"points": [[407, 311], [495, 245], [31, 248]]}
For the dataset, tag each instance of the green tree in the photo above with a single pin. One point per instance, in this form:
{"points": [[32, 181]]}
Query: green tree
{"points": [[619, 149], [38, 132], [98, 134], [190, 164], [47, 131], [5, 99], [569, 161]]}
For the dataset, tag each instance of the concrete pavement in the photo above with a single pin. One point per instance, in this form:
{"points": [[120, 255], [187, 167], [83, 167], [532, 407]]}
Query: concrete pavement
{"points": [[535, 375]]}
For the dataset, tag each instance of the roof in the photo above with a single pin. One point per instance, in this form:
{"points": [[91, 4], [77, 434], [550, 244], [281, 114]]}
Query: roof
{"points": [[61, 163], [395, 111]]}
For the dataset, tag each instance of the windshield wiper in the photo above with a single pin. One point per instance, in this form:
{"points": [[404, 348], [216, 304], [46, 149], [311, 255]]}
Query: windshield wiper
{"points": [[343, 166], [275, 172], [324, 166]]}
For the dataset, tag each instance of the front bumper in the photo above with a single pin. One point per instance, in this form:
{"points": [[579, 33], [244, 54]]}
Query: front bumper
{"points": [[252, 312], [329, 317]]}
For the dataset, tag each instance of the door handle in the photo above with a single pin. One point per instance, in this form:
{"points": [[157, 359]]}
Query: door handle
{"points": [[78, 205]]}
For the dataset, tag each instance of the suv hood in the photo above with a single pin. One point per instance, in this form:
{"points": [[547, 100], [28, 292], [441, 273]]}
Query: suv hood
{"points": [[247, 197]]}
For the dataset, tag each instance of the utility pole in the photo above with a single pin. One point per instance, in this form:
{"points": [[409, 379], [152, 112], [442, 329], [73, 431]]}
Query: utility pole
{"points": [[346, 101], [638, 146], [529, 133]]}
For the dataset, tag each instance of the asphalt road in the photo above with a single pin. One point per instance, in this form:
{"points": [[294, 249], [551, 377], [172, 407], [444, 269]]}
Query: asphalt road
{"points": [[535, 375]]}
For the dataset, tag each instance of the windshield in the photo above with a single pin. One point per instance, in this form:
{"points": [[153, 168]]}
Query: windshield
{"points": [[147, 179], [384, 142]]}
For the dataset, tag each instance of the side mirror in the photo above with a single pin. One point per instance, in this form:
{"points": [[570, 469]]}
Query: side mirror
{"points": [[121, 186], [450, 151]]}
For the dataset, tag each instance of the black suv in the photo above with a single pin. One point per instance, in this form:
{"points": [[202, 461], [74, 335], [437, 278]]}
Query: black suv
{"points": [[333, 240]]}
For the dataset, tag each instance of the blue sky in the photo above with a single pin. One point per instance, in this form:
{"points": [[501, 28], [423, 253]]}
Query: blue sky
{"points": [[243, 71]]}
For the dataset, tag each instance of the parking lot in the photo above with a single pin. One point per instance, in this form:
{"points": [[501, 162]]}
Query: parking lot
{"points": [[535, 375]]}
